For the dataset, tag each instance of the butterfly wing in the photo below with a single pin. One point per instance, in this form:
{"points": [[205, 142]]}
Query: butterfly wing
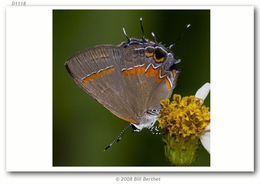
{"points": [[147, 85], [122, 79], [98, 72]]}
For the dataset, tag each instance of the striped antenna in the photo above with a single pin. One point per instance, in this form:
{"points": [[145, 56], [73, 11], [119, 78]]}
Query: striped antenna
{"points": [[126, 34], [154, 37], [180, 36], [142, 29], [118, 138]]}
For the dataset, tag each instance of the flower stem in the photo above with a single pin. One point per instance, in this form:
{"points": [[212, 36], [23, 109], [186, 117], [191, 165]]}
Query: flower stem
{"points": [[179, 150]]}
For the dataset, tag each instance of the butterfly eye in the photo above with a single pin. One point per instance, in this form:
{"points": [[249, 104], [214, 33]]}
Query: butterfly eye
{"points": [[159, 55]]}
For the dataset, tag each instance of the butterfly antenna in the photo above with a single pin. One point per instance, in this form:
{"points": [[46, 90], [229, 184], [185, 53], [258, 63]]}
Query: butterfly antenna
{"points": [[180, 36], [118, 138], [171, 46], [126, 34], [142, 29], [154, 37]]}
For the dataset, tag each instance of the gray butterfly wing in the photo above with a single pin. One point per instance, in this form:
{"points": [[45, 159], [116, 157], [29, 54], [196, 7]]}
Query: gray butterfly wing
{"points": [[98, 72], [123, 80], [145, 82]]}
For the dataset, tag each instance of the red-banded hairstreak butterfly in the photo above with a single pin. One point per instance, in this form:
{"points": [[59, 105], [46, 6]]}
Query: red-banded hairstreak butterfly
{"points": [[129, 79]]}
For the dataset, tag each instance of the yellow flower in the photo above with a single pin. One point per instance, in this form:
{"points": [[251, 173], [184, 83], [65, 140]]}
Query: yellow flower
{"points": [[185, 120], [184, 116]]}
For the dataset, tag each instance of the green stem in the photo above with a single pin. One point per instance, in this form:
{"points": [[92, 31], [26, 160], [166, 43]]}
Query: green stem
{"points": [[179, 150]]}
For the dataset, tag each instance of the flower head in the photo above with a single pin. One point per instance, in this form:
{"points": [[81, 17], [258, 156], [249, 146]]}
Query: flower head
{"points": [[185, 121], [184, 116]]}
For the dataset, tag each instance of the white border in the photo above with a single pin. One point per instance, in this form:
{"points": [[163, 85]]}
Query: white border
{"points": [[232, 77]]}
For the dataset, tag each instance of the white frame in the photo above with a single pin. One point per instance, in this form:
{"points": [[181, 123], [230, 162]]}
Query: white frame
{"points": [[232, 82]]}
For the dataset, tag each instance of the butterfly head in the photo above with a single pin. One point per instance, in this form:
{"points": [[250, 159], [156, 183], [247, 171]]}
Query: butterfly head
{"points": [[158, 53]]}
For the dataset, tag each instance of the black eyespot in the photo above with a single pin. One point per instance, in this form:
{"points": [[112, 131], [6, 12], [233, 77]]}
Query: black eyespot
{"points": [[159, 55]]}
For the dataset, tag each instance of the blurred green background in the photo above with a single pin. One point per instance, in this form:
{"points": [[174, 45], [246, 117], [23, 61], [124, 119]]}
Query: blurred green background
{"points": [[81, 126]]}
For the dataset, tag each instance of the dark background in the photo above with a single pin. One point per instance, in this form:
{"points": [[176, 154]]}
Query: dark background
{"points": [[81, 126]]}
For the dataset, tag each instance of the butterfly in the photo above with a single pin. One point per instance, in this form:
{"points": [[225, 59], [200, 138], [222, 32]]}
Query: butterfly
{"points": [[129, 79]]}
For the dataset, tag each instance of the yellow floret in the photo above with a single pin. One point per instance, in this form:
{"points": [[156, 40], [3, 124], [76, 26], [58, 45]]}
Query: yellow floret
{"points": [[184, 116]]}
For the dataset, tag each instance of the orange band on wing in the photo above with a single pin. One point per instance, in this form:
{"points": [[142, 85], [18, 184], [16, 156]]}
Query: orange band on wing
{"points": [[152, 72], [134, 71], [97, 74], [155, 72], [149, 72], [158, 79], [126, 119], [168, 83]]}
